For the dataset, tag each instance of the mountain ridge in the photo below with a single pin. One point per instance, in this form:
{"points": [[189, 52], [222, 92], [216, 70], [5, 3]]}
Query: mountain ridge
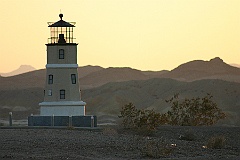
{"points": [[199, 69], [95, 76]]}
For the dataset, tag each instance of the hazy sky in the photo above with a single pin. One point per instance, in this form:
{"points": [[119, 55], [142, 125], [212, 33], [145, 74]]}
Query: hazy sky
{"points": [[142, 34]]}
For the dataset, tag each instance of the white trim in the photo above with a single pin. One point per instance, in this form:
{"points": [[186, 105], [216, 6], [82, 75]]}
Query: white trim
{"points": [[63, 103], [61, 65]]}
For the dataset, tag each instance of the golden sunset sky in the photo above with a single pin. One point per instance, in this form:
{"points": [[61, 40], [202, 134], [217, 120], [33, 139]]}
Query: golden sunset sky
{"points": [[142, 34]]}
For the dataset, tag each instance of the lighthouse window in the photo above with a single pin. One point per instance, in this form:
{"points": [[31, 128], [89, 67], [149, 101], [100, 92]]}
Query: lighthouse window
{"points": [[49, 92], [62, 94], [50, 79], [73, 77], [61, 53]]}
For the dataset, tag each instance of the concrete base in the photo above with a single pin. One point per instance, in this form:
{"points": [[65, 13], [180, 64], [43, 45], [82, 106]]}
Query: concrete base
{"points": [[63, 111], [62, 108]]}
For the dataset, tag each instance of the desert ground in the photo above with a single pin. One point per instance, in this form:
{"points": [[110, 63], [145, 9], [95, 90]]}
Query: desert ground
{"points": [[114, 142]]}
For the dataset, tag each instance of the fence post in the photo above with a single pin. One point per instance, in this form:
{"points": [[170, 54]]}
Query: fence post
{"points": [[10, 118], [31, 120]]}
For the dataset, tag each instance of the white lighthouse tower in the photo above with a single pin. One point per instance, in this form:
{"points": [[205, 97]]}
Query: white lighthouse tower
{"points": [[62, 93]]}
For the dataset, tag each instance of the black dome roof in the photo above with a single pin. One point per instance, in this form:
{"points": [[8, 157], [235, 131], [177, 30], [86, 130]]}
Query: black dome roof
{"points": [[61, 23]]}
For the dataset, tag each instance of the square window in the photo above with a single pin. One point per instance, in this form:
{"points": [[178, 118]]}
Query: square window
{"points": [[49, 92], [50, 79], [62, 94], [73, 78], [61, 53]]}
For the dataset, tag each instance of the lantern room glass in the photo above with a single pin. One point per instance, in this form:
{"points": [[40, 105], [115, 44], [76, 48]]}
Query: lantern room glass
{"points": [[56, 32]]}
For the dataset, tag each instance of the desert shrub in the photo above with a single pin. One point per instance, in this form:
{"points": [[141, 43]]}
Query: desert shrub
{"points": [[142, 120], [156, 148], [216, 142], [147, 119], [194, 112], [128, 113]]}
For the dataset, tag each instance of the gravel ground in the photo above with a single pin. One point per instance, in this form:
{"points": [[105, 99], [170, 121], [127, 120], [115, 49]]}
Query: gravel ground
{"points": [[112, 143]]}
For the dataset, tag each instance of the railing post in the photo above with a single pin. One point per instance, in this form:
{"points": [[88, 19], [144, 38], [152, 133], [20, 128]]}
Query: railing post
{"points": [[70, 121], [92, 121], [53, 120]]}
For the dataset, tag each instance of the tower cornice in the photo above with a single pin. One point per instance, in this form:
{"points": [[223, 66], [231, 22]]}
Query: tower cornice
{"points": [[63, 44], [62, 66]]}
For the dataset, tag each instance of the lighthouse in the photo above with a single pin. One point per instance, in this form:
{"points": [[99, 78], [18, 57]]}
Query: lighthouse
{"points": [[62, 96]]}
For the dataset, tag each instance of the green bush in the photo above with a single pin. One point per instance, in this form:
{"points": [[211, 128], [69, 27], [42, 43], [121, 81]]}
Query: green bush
{"points": [[194, 112]]}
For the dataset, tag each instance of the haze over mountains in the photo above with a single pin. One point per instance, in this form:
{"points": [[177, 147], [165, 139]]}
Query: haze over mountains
{"points": [[20, 70], [235, 65], [106, 90]]}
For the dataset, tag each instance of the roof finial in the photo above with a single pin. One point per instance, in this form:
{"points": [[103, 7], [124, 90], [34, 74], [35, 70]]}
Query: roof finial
{"points": [[61, 15]]}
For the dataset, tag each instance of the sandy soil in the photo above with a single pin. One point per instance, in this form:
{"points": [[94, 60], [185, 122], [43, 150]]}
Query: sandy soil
{"points": [[114, 143]]}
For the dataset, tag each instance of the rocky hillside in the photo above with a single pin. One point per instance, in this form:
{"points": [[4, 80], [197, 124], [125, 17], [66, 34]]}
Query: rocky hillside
{"points": [[105, 101]]}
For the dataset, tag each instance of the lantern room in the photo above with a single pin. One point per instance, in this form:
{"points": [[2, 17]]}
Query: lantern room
{"points": [[61, 32]]}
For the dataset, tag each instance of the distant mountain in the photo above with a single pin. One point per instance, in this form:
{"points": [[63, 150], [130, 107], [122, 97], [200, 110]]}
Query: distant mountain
{"points": [[198, 69], [95, 76], [20, 70]]}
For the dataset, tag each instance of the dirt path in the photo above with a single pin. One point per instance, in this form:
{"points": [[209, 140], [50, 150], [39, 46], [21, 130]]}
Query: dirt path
{"points": [[112, 143]]}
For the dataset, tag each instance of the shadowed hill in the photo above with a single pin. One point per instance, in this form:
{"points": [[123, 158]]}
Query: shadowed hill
{"points": [[86, 70], [105, 101], [22, 81], [22, 102], [152, 93], [112, 75]]}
